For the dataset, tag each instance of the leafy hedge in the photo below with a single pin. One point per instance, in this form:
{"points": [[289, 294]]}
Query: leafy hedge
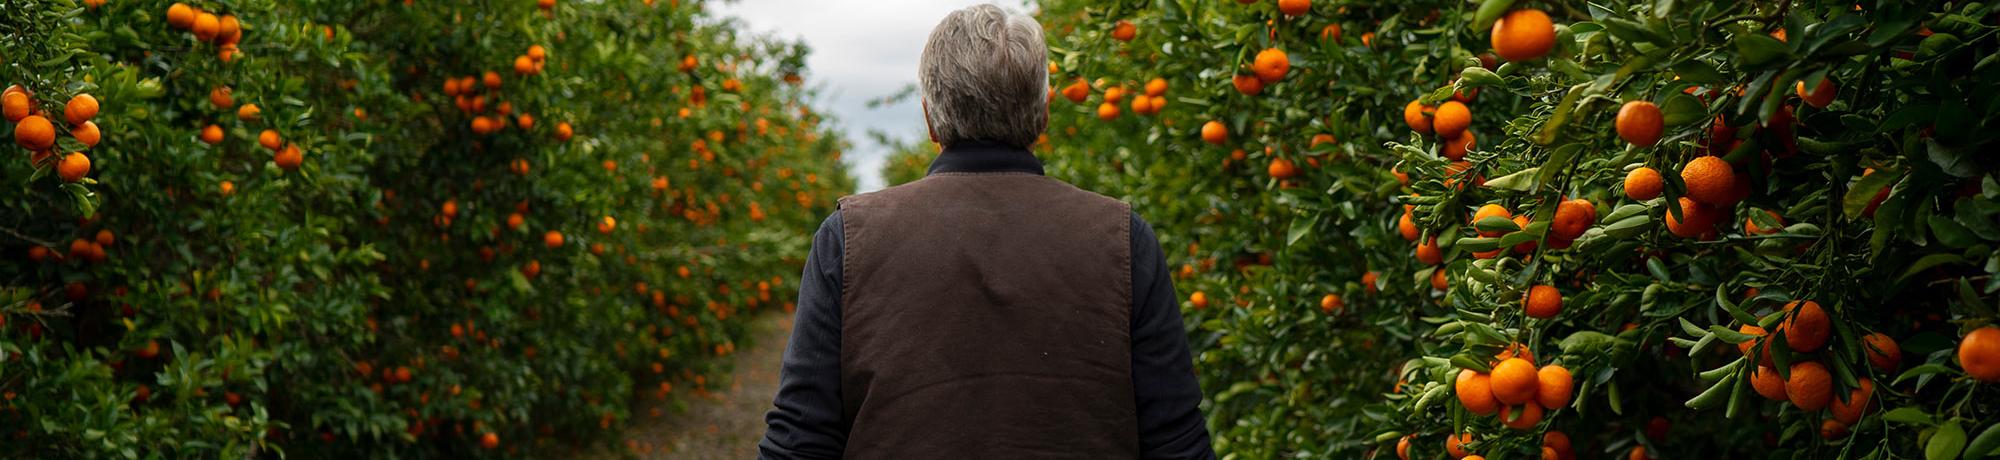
{"points": [[1348, 277], [447, 229]]}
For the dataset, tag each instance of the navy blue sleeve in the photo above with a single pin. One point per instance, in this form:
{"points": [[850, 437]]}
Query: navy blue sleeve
{"points": [[1163, 380], [806, 420]]}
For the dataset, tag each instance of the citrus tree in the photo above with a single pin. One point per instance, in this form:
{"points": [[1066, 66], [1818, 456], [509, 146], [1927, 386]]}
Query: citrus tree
{"points": [[1511, 229], [349, 229]]}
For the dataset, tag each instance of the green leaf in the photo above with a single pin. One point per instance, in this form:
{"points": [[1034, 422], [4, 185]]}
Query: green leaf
{"points": [[1984, 445], [1758, 49], [1680, 109], [1864, 191], [1301, 226], [1946, 443], [1519, 181], [1909, 416], [1927, 263], [1694, 71]]}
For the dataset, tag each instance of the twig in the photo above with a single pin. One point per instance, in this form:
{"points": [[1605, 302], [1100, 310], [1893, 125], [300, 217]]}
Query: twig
{"points": [[17, 234]]}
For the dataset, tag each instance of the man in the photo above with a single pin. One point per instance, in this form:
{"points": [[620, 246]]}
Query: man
{"points": [[986, 311]]}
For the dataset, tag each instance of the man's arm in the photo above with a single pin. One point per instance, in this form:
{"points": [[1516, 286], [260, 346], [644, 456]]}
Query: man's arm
{"points": [[1163, 380], [806, 418]]}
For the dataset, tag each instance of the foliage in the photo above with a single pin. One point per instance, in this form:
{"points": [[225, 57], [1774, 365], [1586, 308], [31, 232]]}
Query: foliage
{"points": [[395, 288], [1319, 334]]}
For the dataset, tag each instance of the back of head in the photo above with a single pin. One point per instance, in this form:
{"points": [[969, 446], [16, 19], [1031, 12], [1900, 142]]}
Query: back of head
{"points": [[984, 77]]}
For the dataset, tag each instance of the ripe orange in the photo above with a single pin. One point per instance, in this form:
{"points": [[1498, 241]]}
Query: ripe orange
{"points": [[489, 440], [563, 131], [1573, 218], [1806, 326], [1271, 65], [270, 139], [538, 53], [1542, 301], [73, 167], [1696, 220], [1637, 453], [16, 103], [1249, 85], [1368, 281], [222, 97], [211, 134], [1077, 91], [1859, 401], [1418, 116], [554, 239], [1199, 299], [87, 134], [1640, 123], [1643, 184], [1455, 445], [1821, 95], [249, 112], [1452, 119], [1157, 87], [1883, 352], [1515, 381], [491, 79], [1525, 247], [607, 225], [1554, 388], [1521, 417], [1330, 303], [1710, 180], [1439, 281], [1750, 225], [206, 26], [228, 188], [1491, 210], [1475, 392], [1558, 443], [1832, 429], [1330, 33], [1214, 132], [1523, 34], [1455, 148], [1282, 168], [1124, 31], [35, 133], [1114, 94], [1810, 386], [1429, 254], [1407, 226], [1294, 7], [289, 158], [1761, 354], [1403, 447], [1979, 354], [1107, 111], [81, 108], [1767, 383], [180, 16], [229, 30]]}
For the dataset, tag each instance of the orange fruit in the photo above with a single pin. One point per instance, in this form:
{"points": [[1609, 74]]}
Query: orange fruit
{"points": [[554, 239], [1491, 210], [1403, 447], [1640, 123], [1418, 116], [1559, 442], [87, 133], [16, 104], [1124, 31], [1452, 119], [1214, 132], [1368, 281], [1643, 184], [1157, 87], [270, 139], [206, 26], [491, 79], [1455, 148], [538, 53], [489, 440], [180, 16], [1573, 218], [228, 30], [222, 97], [1199, 299], [1767, 383], [1521, 417], [227, 188], [1429, 254], [1542, 301], [1523, 34], [1832, 429], [73, 167], [1294, 7], [1107, 111], [249, 112], [563, 131], [1249, 85], [1271, 65], [607, 225], [1282, 168], [1806, 326], [1554, 388], [1455, 445], [1637, 453], [1979, 354], [1710, 180], [1750, 225], [1760, 353], [289, 158], [1696, 220], [81, 108], [1475, 392], [1515, 381], [1821, 95], [1525, 247], [211, 134], [1438, 280], [1330, 33], [1077, 91], [1407, 226], [1859, 401], [1810, 387], [35, 133], [1514, 350], [1883, 353]]}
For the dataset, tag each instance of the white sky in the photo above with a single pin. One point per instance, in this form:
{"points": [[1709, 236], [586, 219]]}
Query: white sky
{"points": [[861, 50]]}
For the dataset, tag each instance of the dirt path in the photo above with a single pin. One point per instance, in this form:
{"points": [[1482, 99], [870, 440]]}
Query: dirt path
{"points": [[726, 427]]}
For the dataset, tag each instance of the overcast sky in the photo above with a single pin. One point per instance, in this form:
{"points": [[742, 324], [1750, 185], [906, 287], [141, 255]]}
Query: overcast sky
{"points": [[861, 50]]}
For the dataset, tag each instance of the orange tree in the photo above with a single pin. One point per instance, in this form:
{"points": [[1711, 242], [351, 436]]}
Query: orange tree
{"points": [[386, 229], [1507, 229]]}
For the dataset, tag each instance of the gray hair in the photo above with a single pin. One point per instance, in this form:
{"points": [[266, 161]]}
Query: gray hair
{"points": [[985, 77]]}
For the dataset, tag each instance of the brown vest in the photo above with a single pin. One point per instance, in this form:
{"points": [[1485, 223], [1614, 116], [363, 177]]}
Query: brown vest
{"points": [[987, 315]]}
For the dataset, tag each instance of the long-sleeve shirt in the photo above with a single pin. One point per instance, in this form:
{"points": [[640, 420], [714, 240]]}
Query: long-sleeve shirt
{"points": [[807, 421]]}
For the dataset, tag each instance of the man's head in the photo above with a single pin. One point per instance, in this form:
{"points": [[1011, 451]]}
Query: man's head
{"points": [[984, 76]]}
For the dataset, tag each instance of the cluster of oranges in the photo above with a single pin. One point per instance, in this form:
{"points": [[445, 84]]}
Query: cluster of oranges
{"points": [[34, 131], [225, 31], [469, 93], [1516, 390], [1807, 383]]}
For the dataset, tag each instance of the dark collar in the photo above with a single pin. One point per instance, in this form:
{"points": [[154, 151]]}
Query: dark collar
{"points": [[984, 157]]}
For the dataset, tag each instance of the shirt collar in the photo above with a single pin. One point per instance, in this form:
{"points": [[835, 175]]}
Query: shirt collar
{"points": [[983, 156]]}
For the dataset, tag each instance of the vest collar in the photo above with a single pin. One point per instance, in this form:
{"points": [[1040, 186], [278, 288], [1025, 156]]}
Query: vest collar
{"points": [[984, 157]]}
